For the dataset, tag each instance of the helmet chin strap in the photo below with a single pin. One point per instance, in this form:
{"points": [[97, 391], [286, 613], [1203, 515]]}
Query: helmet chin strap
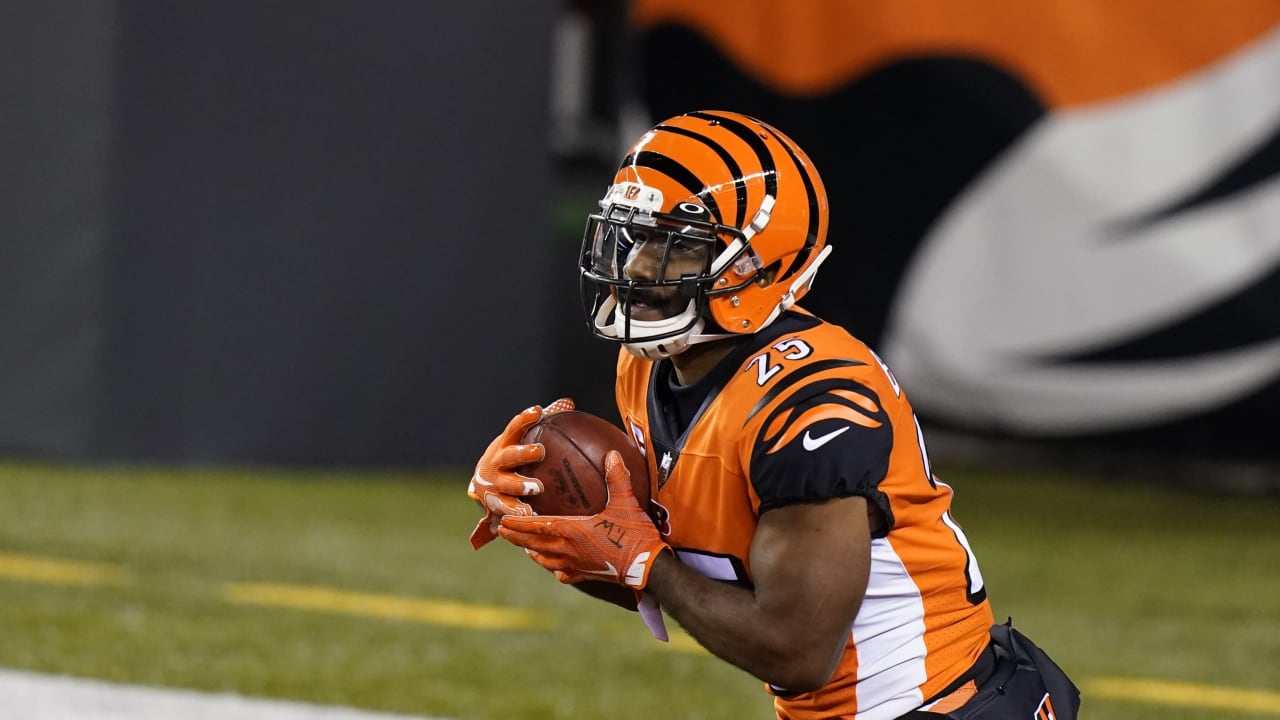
{"points": [[667, 347], [660, 347]]}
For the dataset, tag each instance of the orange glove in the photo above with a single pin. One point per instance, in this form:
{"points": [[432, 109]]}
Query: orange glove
{"points": [[496, 485], [619, 545]]}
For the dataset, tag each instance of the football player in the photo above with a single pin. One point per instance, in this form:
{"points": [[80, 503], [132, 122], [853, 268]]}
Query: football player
{"points": [[795, 529]]}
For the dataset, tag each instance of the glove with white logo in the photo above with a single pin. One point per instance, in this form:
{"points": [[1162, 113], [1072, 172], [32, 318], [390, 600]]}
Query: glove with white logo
{"points": [[620, 544], [496, 485]]}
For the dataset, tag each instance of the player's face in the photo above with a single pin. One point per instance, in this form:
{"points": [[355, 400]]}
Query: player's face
{"points": [[659, 256]]}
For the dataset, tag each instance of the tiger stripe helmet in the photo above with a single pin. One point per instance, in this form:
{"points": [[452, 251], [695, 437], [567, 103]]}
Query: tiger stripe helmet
{"points": [[714, 177]]}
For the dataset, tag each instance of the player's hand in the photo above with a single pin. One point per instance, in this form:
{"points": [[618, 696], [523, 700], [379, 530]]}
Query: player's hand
{"points": [[620, 544], [496, 485]]}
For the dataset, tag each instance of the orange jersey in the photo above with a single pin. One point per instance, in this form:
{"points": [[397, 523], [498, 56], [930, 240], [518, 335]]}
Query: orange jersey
{"points": [[803, 412]]}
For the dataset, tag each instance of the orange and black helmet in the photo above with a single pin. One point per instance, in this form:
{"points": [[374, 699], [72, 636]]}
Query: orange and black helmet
{"points": [[729, 182]]}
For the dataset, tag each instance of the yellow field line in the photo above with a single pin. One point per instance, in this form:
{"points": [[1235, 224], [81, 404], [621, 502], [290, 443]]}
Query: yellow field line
{"points": [[436, 612], [1163, 692], [59, 572]]}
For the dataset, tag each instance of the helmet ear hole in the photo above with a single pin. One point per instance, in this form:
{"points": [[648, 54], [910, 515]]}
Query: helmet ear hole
{"points": [[767, 275]]}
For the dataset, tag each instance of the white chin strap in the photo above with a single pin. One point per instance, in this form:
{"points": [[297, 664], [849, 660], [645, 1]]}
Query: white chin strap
{"points": [[667, 337]]}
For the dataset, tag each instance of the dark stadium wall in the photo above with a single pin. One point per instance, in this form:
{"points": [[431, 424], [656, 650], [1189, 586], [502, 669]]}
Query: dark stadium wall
{"points": [[55, 89], [1057, 222], [302, 233]]}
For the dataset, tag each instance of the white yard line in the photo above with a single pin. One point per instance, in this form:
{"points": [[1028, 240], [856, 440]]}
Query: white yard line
{"points": [[30, 696]]}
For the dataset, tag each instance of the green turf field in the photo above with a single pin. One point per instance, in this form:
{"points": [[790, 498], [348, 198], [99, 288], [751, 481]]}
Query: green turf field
{"points": [[361, 589]]}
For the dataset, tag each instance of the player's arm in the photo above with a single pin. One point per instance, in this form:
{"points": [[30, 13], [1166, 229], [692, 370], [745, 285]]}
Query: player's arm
{"points": [[810, 564]]}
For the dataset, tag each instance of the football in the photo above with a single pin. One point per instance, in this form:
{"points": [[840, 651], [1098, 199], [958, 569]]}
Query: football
{"points": [[572, 471], [572, 475]]}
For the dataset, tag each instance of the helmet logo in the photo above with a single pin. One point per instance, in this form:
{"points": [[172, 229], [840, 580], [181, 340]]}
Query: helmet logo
{"points": [[636, 195]]}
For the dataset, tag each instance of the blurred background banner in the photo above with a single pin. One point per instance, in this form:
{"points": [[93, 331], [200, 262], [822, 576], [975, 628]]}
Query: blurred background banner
{"points": [[1057, 221], [272, 232], [323, 232]]}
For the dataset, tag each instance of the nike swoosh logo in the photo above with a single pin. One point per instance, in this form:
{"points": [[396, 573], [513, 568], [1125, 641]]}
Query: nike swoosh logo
{"points": [[610, 572], [813, 443]]}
